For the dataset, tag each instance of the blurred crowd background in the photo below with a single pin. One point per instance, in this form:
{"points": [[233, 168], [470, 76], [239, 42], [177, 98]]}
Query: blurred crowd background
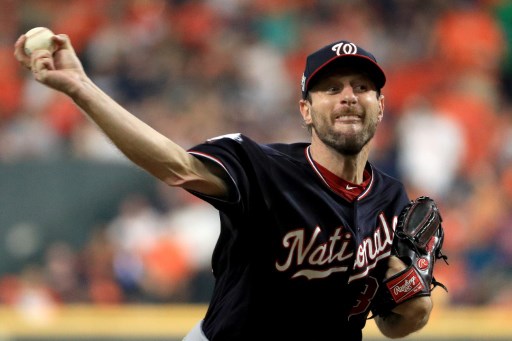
{"points": [[195, 69]]}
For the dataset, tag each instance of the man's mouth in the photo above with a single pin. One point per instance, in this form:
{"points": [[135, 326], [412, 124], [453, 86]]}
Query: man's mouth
{"points": [[348, 118]]}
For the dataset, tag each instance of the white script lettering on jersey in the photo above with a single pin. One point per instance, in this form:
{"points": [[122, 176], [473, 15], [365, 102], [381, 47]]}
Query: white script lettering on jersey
{"points": [[306, 256], [334, 251], [371, 250]]}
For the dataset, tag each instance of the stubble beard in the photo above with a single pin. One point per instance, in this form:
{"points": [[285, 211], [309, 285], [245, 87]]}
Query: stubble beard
{"points": [[345, 144]]}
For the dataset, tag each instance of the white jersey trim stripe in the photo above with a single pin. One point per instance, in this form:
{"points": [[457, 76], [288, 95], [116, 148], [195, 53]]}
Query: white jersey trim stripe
{"points": [[312, 163], [217, 161]]}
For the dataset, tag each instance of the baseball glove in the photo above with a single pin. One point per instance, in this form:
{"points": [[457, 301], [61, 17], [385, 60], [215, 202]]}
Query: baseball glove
{"points": [[417, 242]]}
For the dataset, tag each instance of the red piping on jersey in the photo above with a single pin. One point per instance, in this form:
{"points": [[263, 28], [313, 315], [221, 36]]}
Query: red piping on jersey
{"points": [[319, 173], [211, 158]]}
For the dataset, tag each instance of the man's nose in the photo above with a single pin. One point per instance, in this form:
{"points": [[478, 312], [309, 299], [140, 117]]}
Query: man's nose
{"points": [[347, 96]]}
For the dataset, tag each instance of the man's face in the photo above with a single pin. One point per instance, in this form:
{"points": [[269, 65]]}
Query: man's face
{"points": [[344, 111]]}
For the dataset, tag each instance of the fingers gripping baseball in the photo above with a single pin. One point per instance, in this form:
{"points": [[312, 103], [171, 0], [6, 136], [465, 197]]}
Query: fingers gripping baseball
{"points": [[58, 68], [41, 63]]}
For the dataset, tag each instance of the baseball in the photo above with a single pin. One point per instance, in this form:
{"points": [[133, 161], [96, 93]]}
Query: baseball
{"points": [[39, 38]]}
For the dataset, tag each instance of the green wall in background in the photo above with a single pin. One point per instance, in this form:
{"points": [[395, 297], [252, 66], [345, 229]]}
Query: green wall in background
{"points": [[43, 202]]}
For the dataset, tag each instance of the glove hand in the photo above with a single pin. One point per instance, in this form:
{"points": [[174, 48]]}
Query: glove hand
{"points": [[417, 245]]}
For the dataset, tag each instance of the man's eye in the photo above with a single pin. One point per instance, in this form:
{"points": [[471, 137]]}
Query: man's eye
{"points": [[360, 88]]}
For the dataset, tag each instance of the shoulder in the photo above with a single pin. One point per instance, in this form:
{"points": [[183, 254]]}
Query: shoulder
{"points": [[240, 143], [384, 178], [292, 150], [387, 184]]}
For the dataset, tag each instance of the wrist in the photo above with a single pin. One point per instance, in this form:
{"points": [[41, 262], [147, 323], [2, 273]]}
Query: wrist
{"points": [[82, 91], [395, 266]]}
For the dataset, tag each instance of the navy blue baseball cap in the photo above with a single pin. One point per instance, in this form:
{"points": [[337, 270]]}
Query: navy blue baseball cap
{"points": [[341, 52]]}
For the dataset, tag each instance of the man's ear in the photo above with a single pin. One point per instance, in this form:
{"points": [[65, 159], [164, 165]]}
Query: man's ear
{"points": [[305, 111], [381, 107]]}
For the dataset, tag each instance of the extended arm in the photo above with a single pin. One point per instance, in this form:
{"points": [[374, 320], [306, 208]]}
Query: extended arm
{"points": [[142, 144]]}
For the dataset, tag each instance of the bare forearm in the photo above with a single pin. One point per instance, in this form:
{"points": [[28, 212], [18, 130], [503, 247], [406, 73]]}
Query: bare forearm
{"points": [[142, 144], [139, 142], [406, 318]]}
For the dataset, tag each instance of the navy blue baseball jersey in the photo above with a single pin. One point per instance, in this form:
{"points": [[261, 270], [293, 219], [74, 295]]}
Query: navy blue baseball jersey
{"points": [[295, 260]]}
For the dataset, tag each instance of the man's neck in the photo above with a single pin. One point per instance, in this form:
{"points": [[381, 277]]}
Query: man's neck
{"points": [[347, 167]]}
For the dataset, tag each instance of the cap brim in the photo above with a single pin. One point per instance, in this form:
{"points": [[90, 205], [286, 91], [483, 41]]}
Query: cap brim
{"points": [[366, 64]]}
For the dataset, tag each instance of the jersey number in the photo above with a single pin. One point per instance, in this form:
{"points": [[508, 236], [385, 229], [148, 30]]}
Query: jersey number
{"points": [[365, 297]]}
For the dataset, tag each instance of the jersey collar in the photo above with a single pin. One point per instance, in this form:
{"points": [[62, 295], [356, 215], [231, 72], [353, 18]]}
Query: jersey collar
{"points": [[329, 181]]}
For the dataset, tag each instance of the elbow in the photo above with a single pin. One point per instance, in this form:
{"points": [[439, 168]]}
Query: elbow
{"points": [[212, 186], [173, 181]]}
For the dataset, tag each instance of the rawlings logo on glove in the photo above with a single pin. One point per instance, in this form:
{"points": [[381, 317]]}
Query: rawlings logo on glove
{"points": [[417, 242]]}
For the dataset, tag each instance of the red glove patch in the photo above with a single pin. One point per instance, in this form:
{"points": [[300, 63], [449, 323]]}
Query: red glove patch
{"points": [[405, 286]]}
